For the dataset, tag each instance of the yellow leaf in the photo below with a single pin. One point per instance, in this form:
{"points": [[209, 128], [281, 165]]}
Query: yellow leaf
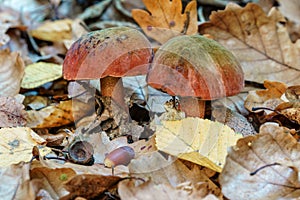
{"points": [[261, 42], [54, 31], [166, 19], [40, 73], [200, 141], [16, 145]]}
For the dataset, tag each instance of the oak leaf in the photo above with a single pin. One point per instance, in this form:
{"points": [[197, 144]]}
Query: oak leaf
{"points": [[264, 166], [165, 19], [268, 98], [197, 140], [261, 42]]}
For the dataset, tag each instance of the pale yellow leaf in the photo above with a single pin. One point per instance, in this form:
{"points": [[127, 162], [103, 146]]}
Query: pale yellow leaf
{"points": [[261, 42], [11, 72], [54, 31], [39, 73], [200, 141], [16, 145]]}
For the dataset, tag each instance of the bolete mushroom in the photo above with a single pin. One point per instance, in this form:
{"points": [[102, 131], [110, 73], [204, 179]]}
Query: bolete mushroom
{"points": [[195, 69], [108, 55]]}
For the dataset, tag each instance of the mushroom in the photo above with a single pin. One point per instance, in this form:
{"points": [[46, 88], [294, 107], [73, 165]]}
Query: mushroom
{"points": [[195, 69], [108, 55]]}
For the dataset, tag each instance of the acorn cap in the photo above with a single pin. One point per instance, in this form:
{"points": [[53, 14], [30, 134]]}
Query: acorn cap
{"points": [[115, 52], [195, 66]]}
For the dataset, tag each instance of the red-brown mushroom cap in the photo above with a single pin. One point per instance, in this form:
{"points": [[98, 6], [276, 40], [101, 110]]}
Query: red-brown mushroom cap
{"points": [[108, 52], [195, 66]]}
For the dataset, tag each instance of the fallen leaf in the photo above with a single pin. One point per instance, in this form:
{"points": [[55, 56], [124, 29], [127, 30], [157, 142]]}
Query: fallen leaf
{"points": [[54, 31], [292, 93], [17, 143], [39, 73], [260, 42], [264, 166], [58, 115], [197, 140], [12, 113], [165, 20], [268, 98], [89, 185], [290, 9], [149, 190], [52, 180], [11, 72], [171, 171], [15, 182]]}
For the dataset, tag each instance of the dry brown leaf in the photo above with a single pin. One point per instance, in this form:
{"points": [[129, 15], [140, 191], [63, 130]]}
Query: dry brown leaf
{"points": [[165, 20], [89, 185], [264, 166], [292, 93], [58, 115], [290, 9], [11, 72], [260, 42], [52, 180], [268, 98], [12, 113], [170, 171], [15, 182], [149, 190]]}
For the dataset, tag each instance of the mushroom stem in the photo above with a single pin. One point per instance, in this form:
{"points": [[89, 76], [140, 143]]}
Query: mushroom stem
{"points": [[193, 107], [113, 87]]}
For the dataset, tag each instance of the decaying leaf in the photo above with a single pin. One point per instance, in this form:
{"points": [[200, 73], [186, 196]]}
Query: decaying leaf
{"points": [[52, 180], [290, 9], [54, 31], [149, 191], [12, 113], [260, 42], [39, 73], [264, 166], [16, 145], [15, 182], [200, 141], [11, 72], [165, 20], [89, 186], [268, 98], [292, 93]]}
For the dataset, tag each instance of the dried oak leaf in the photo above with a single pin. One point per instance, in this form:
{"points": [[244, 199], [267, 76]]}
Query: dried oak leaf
{"points": [[264, 166], [60, 114], [165, 19], [149, 190], [268, 98], [11, 72], [260, 42], [52, 180], [12, 113], [89, 185]]}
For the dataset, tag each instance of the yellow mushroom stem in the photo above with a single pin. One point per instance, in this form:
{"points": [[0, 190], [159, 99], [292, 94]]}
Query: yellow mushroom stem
{"points": [[193, 107]]}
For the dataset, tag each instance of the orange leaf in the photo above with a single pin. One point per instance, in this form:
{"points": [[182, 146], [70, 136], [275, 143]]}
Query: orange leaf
{"points": [[165, 19], [260, 42]]}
